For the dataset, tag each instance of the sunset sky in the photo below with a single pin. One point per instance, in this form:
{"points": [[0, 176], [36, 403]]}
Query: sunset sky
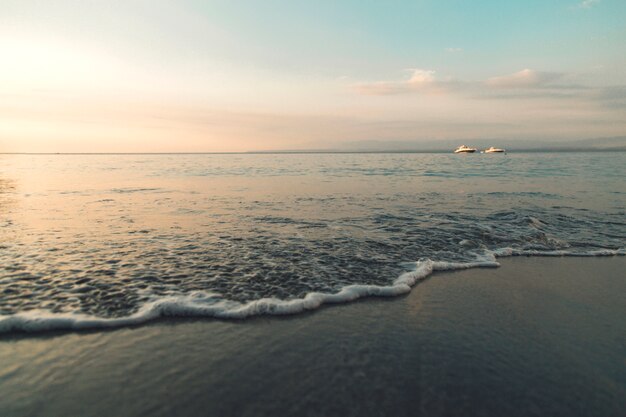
{"points": [[224, 75]]}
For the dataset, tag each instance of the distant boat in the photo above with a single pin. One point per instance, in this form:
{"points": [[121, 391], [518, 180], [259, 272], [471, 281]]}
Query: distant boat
{"points": [[464, 149], [494, 150]]}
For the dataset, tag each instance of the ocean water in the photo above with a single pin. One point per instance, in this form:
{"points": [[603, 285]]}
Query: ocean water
{"points": [[110, 240]]}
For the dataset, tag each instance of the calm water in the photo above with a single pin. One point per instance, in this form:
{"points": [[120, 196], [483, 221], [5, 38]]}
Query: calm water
{"points": [[106, 240]]}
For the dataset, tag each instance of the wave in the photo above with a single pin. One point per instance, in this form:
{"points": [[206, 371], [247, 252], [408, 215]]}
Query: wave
{"points": [[203, 304]]}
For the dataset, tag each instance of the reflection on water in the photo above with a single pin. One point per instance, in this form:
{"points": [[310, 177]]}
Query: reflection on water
{"points": [[104, 234], [7, 199]]}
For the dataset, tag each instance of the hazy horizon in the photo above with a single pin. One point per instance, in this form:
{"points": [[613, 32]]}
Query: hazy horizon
{"points": [[611, 144], [219, 76]]}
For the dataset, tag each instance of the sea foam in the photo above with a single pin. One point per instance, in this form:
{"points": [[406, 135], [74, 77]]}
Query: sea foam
{"points": [[202, 304]]}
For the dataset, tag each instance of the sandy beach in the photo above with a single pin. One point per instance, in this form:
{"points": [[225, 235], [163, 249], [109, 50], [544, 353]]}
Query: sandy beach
{"points": [[537, 336]]}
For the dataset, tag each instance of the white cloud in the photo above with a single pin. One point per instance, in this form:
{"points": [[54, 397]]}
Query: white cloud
{"points": [[454, 50], [588, 4], [525, 78], [550, 89], [422, 77], [420, 80], [425, 82]]}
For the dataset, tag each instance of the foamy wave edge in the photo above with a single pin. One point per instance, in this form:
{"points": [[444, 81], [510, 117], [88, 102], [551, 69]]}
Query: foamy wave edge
{"points": [[209, 305]]}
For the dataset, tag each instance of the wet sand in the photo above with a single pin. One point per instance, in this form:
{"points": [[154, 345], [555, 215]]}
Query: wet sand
{"points": [[537, 336]]}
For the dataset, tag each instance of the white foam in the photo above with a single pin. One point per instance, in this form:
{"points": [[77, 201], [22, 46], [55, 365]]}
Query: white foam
{"points": [[209, 305], [201, 304]]}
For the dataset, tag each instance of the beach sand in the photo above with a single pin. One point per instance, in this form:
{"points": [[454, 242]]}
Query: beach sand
{"points": [[537, 336]]}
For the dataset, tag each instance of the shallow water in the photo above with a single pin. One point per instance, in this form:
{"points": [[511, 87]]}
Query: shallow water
{"points": [[537, 337], [91, 237]]}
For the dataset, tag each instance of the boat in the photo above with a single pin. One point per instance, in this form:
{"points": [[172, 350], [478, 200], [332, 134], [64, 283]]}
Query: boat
{"points": [[494, 150], [464, 149]]}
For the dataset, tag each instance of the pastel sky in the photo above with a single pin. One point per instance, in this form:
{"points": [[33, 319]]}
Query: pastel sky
{"points": [[224, 75]]}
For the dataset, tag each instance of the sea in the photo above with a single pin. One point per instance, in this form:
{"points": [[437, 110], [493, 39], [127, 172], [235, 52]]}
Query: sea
{"points": [[92, 241]]}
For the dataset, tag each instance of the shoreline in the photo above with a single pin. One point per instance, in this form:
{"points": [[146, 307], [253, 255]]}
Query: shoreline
{"points": [[208, 306], [537, 336]]}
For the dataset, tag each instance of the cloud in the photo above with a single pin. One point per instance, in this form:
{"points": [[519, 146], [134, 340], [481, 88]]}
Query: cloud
{"points": [[587, 4], [424, 81], [611, 97], [525, 78], [422, 77], [528, 95], [421, 80], [454, 50]]}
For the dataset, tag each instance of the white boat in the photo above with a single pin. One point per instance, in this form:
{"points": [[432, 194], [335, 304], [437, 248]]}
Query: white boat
{"points": [[494, 150], [464, 149]]}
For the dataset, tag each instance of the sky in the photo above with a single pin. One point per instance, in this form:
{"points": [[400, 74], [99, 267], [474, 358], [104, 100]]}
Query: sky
{"points": [[223, 75]]}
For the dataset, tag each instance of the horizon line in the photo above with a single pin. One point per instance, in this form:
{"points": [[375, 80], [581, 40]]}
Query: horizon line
{"points": [[288, 152]]}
